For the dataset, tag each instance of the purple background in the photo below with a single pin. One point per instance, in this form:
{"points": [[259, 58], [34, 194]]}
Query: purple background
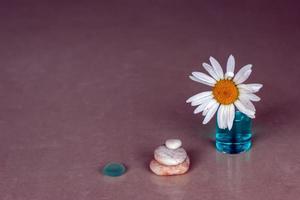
{"points": [[85, 83]]}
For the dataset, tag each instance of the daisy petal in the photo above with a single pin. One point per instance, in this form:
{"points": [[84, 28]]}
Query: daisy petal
{"points": [[221, 117], [253, 97], [219, 122], [243, 109], [199, 96], [201, 107], [202, 100], [217, 67], [250, 96], [230, 67], [204, 77], [251, 88], [208, 106], [225, 116], [243, 77], [211, 113], [247, 103], [200, 81], [205, 111], [210, 70], [242, 72], [230, 118]]}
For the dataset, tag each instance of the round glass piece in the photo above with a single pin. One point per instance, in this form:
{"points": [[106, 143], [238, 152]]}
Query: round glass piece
{"points": [[114, 169]]}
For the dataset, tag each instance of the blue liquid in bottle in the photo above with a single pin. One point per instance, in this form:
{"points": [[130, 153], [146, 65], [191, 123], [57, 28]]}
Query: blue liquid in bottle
{"points": [[238, 139]]}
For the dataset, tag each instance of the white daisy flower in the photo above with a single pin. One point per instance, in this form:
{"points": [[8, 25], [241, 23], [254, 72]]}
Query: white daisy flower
{"points": [[228, 92]]}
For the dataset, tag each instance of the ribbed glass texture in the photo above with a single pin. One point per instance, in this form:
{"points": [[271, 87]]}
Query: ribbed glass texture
{"points": [[238, 139]]}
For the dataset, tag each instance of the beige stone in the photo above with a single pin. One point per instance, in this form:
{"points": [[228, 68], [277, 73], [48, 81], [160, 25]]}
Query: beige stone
{"points": [[165, 170]]}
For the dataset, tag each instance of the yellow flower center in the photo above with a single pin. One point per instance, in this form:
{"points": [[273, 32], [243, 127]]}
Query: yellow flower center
{"points": [[225, 92]]}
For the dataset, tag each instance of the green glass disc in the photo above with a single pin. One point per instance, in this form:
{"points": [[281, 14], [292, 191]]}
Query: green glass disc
{"points": [[114, 169]]}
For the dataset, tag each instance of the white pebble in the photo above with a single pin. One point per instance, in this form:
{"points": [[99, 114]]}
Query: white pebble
{"points": [[173, 143], [167, 156]]}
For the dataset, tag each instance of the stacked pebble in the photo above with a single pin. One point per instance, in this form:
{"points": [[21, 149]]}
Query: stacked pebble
{"points": [[170, 159]]}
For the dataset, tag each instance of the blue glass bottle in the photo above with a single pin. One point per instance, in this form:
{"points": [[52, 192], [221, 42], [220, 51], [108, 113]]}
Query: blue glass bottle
{"points": [[238, 139]]}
